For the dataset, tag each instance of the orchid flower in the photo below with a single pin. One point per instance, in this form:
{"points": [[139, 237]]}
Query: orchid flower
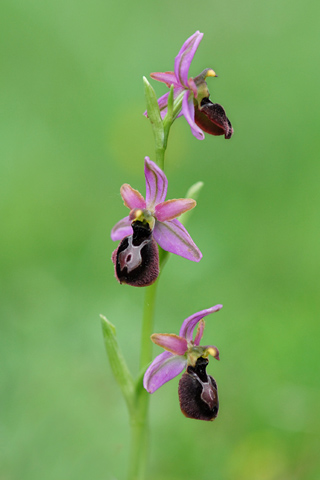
{"points": [[182, 352], [201, 114], [150, 220]]}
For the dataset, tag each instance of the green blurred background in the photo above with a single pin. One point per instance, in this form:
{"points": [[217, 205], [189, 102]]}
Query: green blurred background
{"points": [[72, 132]]}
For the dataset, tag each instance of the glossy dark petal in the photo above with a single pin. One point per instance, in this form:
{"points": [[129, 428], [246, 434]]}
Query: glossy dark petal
{"points": [[136, 260], [212, 119], [198, 393]]}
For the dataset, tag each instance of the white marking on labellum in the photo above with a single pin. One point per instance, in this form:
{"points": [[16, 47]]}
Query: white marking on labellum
{"points": [[130, 258]]}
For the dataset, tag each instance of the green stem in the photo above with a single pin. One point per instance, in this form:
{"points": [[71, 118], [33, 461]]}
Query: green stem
{"points": [[160, 156], [147, 325], [139, 421], [139, 415], [139, 450], [162, 134]]}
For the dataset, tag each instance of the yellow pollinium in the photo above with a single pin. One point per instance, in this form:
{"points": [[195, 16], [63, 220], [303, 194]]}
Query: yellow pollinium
{"points": [[211, 351], [211, 73], [138, 215], [194, 352]]}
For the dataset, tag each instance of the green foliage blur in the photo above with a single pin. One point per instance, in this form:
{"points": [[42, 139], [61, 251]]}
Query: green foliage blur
{"points": [[72, 131]]}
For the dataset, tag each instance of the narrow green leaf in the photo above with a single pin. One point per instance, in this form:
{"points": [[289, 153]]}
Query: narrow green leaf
{"points": [[153, 111], [168, 119], [169, 115], [193, 192], [152, 103], [177, 104], [117, 362]]}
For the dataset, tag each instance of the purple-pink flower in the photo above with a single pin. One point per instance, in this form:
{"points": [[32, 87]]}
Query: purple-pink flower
{"points": [[157, 214], [151, 220], [201, 114], [182, 351]]}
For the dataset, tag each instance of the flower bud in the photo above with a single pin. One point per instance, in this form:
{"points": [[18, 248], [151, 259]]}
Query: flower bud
{"points": [[136, 260], [198, 392]]}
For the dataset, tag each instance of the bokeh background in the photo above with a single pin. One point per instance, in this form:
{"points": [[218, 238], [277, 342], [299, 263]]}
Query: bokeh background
{"points": [[72, 132]]}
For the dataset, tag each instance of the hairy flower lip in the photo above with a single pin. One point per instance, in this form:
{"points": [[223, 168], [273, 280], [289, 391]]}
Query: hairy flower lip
{"points": [[160, 214], [136, 259], [212, 119], [198, 393]]}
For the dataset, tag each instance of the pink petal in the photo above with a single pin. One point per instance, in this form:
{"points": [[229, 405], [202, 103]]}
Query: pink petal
{"points": [[185, 56], [171, 342], [163, 368], [193, 87], [188, 112], [173, 208], [121, 229], [168, 78], [199, 333], [163, 104], [131, 197], [156, 184], [173, 237], [189, 323]]}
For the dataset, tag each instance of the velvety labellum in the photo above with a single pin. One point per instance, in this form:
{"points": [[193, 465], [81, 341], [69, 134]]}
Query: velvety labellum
{"points": [[136, 259], [198, 392], [212, 118]]}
